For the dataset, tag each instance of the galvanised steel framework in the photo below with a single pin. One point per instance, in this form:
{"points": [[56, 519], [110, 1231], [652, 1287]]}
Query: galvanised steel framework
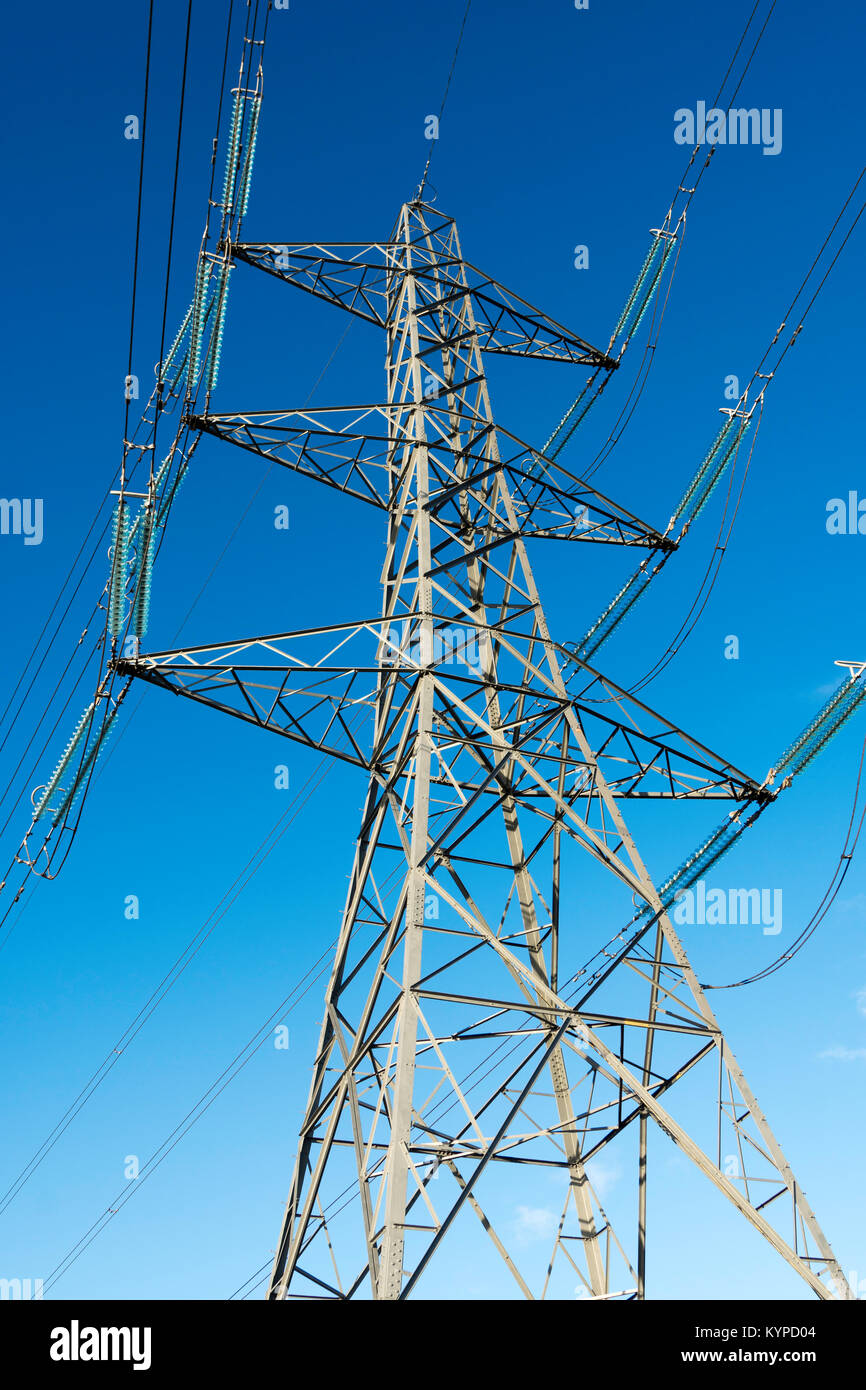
{"points": [[459, 1043]]}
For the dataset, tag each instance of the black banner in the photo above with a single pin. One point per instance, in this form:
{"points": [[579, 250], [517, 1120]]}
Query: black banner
{"points": [[62, 1339]]}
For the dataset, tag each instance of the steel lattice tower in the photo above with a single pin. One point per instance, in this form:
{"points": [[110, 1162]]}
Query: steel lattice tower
{"points": [[455, 1044]]}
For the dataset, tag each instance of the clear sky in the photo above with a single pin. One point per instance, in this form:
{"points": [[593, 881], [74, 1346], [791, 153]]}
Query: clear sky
{"points": [[558, 133]]}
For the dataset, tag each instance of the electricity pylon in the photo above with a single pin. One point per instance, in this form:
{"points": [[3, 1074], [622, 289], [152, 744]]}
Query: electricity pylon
{"points": [[477, 1031]]}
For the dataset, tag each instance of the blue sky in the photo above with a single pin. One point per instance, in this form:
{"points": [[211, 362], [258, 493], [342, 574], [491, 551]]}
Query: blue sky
{"points": [[558, 132]]}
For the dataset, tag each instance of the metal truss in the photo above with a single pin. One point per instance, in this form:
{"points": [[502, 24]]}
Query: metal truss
{"points": [[359, 276], [479, 1039], [302, 685], [328, 445]]}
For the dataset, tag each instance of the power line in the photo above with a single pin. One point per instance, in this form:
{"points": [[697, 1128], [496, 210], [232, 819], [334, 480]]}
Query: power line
{"points": [[171, 226], [235, 1067], [679, 225], [846, 858], [155, 399], [137, 236], [434, 143], [191, 950], [643, 576]]}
